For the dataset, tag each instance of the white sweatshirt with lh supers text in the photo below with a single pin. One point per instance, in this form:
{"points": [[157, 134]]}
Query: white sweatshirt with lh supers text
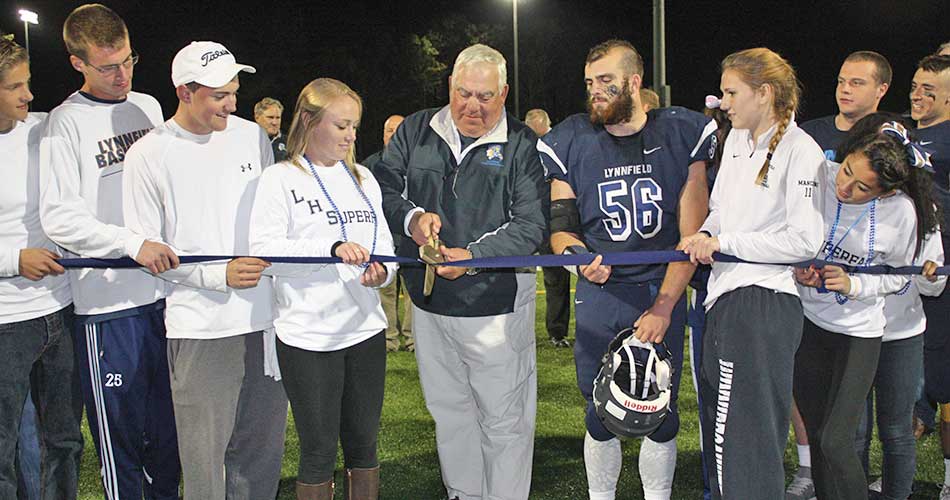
{"points": [[321, 308]]}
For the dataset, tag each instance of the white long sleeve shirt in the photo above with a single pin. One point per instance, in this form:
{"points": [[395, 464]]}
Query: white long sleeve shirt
{"points": [[904, 311], [20, 298], [780, 222], [321, 308], [82, 154], [894, 237], [195, 193]]}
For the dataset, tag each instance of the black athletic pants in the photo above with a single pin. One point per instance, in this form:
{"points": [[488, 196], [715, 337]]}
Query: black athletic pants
{"points": [[557, 297], [746, 388], [335, 396], [833, 375]]}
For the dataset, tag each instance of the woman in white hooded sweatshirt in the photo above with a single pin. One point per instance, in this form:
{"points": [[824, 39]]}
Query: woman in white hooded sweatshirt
{"points": [[329, 321]]}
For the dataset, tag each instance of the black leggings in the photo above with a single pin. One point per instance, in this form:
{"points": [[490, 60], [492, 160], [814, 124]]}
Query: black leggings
{"points": [[335, 396], [833, 375]]}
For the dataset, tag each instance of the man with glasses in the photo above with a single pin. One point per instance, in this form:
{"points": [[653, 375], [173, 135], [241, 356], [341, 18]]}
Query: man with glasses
{"points": [[119, 331]]}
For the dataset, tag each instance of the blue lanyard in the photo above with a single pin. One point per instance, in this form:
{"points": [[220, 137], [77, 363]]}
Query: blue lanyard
{"points": [[869, 211], [359, 190]]}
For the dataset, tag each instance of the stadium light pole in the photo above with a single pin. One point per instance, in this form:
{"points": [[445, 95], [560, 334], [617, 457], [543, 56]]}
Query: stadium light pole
{"points": [[659, 52], [28, 17], [514, 22]]}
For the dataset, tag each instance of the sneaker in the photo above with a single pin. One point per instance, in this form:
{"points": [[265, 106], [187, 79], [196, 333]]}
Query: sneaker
{"points": [[801, 487], [560, 342], [876, 485], [945, 492]]}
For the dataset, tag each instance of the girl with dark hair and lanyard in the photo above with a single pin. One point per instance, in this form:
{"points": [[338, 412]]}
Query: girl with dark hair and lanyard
{"points": [[878, 210], [901, 364]]}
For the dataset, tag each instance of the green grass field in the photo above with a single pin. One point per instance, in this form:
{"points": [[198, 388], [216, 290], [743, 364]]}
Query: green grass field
{"points": [[410, 468]]}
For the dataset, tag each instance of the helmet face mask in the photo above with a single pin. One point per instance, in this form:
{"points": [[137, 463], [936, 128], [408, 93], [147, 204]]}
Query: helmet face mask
{"points": [[633, 389]]}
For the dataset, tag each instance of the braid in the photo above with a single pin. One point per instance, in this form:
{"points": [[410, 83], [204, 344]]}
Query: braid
{"points": [[779, 132]]}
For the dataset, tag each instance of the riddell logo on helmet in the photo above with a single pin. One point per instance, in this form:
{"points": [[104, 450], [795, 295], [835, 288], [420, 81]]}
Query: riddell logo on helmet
{"points": [[642, 407]]}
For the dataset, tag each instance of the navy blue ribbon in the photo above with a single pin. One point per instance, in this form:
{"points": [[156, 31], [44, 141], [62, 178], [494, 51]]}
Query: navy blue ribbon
{"points": [[612, 259]]}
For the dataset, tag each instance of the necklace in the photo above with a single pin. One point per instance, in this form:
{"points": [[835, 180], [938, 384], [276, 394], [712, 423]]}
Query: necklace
{"points": [[359, 190], [869, 211]]}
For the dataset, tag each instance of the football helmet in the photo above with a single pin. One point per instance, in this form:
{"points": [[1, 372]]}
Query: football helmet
{"points": [[633, 389]]}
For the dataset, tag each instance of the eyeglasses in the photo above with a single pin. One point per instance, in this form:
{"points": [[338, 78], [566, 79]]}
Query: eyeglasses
{"points": [[112, 69]]}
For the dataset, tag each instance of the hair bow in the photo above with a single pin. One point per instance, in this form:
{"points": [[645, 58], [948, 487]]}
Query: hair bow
{"points": [[916, 154], [712, 102]]}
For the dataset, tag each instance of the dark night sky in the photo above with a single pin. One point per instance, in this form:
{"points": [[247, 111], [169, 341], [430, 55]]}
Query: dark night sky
{"points": [[291, 43]]}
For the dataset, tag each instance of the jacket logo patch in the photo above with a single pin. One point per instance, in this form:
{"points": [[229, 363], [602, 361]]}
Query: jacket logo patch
{"points": [[494, 156]]}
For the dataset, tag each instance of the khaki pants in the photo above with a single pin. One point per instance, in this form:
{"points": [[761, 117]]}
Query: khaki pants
{"points": [[479, 378], [389, 296]]}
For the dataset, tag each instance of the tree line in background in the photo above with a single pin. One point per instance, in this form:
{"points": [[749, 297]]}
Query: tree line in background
{"points": [[400, 73]]}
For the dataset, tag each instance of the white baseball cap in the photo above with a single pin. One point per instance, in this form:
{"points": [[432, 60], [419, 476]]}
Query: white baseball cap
{"points": [[207, 63]]}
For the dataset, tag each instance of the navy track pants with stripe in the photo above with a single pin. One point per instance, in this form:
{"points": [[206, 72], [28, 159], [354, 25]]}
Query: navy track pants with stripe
{"points": [[124, 373], [696, 324]]}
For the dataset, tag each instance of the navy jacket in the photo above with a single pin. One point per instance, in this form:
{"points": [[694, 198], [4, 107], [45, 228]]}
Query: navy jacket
{"points": [[492, 198]]}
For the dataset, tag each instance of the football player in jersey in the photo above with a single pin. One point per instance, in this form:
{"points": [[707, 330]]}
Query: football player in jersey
{"points": [[930, 108], [626, 180]]}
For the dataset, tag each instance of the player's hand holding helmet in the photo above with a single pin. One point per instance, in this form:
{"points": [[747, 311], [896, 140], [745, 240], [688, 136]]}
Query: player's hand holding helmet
{"points": [[633, 389]]}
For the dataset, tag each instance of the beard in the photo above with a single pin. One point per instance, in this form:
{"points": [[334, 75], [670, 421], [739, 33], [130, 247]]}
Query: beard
{"points": [[618, 110]]}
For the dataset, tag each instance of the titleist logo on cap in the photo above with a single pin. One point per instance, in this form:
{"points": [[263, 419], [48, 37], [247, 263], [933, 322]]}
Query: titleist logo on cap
{"points": [[207, 57]]}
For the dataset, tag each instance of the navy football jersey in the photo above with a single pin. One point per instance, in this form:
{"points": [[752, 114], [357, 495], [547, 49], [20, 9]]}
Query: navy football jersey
{"points": [[826, 134], [936, 140], [628, 188]]}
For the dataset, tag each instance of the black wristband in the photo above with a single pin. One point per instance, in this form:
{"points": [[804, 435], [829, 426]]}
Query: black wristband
{"points": [[334, 247]]}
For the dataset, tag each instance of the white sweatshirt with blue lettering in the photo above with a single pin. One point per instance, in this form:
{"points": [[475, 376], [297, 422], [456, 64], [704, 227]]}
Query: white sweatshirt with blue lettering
{"points": [[321, 308], [82, 156], [884, 229], [20, 298]]}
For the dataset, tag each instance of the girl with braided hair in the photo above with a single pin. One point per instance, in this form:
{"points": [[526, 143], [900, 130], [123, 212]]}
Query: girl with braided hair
{"points": [[763, 208], [878, 209]]}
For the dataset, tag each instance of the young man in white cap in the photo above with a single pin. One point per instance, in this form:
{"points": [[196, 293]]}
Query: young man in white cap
{"points": [[119, 335], [190, 183]]}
